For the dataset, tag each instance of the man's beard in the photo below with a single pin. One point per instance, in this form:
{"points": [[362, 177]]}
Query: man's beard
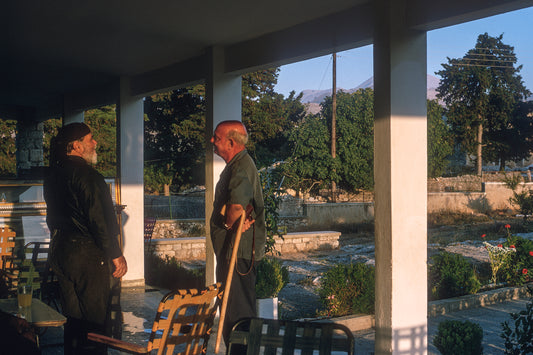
{"points": [[91, 158]]}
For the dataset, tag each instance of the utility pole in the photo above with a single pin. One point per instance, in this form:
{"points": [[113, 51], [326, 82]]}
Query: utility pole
{"points": [[333, 123]]}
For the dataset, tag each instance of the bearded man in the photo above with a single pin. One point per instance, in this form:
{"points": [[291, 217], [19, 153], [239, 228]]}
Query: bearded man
{"points": [[84, 251]]}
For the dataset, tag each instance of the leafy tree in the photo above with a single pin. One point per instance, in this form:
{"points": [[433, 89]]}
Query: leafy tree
{"points": [[268, 115], [514, 142], [8, 131], [103, 125], [481, 91], [440, 140], [310, 163], [174, 138], [175, 124], [269, 121], [355, 138]]}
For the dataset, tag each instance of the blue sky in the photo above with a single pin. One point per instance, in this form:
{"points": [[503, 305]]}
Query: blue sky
{"points": [[355, 66]]}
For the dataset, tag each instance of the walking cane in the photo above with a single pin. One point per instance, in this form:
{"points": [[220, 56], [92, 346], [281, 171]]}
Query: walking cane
{"points": [[228, 280]]}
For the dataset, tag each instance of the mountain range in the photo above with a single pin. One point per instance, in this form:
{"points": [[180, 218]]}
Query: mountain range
{"points": [[317, 96], [312, 98]]}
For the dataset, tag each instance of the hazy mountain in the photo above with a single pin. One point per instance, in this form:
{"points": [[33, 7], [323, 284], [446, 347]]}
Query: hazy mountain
{"points": [[317, 96]]}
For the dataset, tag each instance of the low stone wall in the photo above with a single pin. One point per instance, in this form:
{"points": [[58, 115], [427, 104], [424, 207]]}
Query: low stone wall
{"points": [[306, 241], [495, 196], [194, 247], [466, 202]]}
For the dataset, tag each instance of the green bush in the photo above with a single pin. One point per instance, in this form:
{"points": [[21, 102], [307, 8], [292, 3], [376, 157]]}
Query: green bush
{"points": [[520, 339], [524, 201], [168, 273], [455, 337], [518, 270], [271, 278], [451, 275], [348, 289]]}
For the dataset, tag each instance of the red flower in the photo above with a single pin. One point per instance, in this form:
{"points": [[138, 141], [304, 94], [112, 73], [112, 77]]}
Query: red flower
{"points": [[531, 253], [507, 226], [500, 246], [524, 271], [483, 235], [511, 246]]}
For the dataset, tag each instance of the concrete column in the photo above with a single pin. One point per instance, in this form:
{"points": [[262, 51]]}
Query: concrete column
{"points": [[223, 99], [70, 114], [131, 137], [72, 117], [400, 172]]}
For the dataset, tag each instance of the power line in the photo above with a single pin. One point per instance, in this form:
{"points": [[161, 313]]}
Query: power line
{"points": [[324, 75]]}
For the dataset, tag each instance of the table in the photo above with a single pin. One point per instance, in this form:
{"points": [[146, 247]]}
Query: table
{"points": [[42, 315]]}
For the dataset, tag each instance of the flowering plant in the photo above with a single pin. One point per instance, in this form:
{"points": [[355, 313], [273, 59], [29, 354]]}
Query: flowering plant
{"points": [[499, 257], [513, 259]]}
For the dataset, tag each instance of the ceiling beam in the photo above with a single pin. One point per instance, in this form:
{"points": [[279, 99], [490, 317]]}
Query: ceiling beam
{"points": [[188, 72], [344, 30], [431, 15]]}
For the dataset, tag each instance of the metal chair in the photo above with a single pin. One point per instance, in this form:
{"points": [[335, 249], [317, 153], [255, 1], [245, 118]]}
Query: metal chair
{"points": [[149, 225], [39, 252], [182, 324], [271, 336]]}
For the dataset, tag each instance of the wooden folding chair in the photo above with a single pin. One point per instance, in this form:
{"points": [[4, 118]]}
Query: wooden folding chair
{"points": [[182, 324], [272, 336], [7, 244]]}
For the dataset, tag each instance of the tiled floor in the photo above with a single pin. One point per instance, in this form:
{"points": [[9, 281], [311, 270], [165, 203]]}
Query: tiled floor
{"points": [[139, 307]]}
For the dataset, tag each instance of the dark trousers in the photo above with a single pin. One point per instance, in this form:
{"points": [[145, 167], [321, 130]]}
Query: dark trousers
{"points": [[241, 300], [84, 278]]}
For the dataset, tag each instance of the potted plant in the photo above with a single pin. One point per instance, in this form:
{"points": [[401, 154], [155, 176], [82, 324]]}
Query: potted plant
{"points": [[272, 276]]}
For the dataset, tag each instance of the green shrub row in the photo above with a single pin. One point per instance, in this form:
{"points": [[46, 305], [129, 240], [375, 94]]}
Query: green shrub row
{"points": [[451, 275]]}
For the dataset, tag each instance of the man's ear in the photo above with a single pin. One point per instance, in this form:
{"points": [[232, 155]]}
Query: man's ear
{"points": [[75, 145]]}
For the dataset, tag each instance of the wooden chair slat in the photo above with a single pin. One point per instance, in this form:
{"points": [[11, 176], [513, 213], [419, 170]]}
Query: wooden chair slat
{"points": [[183, 322]]}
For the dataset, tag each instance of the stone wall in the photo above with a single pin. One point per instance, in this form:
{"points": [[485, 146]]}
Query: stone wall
{"points": [[470, 183], [495, 196], [29, 144], [194, 247]]}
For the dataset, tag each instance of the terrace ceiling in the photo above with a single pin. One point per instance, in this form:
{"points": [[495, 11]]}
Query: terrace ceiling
{"points": [[53, 50]]}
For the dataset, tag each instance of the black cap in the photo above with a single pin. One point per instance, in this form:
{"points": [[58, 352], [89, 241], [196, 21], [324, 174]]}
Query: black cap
{"points": [[72, 132], [69, 133]]}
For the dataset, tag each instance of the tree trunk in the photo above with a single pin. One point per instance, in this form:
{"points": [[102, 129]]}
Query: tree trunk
{"points": [[166, 188], [502, 164], [479, 162]]}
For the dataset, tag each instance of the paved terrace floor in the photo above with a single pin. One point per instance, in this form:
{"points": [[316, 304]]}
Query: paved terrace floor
{"points": [[139, 306]]}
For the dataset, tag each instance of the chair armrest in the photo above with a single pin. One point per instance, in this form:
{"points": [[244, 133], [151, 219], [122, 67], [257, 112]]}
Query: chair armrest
{"points": [[117, 344]]}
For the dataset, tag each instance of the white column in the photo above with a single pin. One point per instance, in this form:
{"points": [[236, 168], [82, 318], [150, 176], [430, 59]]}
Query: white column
{"points": [[223, 99], [400, 158], [131, 137], [71, 117]]}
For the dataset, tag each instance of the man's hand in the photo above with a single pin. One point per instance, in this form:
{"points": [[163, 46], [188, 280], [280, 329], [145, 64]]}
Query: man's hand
{"points": [[233, 212], [248, 221], [121, 267]]}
